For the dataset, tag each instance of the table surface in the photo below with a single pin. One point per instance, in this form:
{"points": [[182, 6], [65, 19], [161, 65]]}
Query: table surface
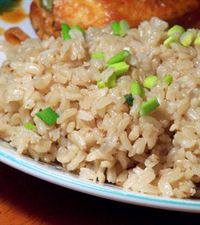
{"points": [[25, 200]]}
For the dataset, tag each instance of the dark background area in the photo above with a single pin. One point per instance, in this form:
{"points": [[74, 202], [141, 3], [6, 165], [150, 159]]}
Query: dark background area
{"points": [[26, 200]]}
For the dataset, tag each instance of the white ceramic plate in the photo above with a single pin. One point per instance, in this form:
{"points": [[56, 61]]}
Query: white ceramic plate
{"points": [[57, 176]]}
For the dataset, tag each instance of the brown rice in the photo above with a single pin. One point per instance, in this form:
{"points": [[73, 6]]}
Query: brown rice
{"points": [[97, 135]]}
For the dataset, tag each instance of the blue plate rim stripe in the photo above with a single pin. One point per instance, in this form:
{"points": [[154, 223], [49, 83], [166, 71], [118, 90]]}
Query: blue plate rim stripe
{"points": [[67, 180]]}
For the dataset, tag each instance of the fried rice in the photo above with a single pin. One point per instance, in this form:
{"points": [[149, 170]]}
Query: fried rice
{"points": [[97, 135]]}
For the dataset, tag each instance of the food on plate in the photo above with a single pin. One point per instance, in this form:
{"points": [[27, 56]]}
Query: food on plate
{"points": [[47, 15], [113, 105], [43, 21], [15, 35]]}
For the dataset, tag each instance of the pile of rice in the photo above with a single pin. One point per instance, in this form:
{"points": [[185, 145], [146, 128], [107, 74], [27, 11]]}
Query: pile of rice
{"points": [[97, 135]]}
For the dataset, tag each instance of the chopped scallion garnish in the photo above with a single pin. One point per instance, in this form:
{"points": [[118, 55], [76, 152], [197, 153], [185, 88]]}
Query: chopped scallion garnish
{"points": [[129, 99], [116, 28], [149, 106], [168, 79], [169, 41], [30, 126], [178, 34], [120, 68], [119, 57], [197, 40], [174, 34], [137, 89], [120, 28], [187, 38], [117, 69], [65, 31], [48, 116], [111, 82], [98, 55], [150, 81], [101, 84], [176, 29], [124, 26]]}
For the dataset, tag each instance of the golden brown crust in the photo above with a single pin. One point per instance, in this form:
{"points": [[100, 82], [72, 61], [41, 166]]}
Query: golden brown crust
{"points": [[43, 21], [15, 35], [100, 12], [86, 13], [136, 11]]}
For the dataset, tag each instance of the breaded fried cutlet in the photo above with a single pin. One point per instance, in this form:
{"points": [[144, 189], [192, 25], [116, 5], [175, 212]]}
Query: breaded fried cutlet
{"points": [[97, 13]]}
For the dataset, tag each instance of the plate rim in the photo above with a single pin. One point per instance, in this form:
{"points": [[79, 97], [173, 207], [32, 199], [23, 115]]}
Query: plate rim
{"points": [[67, 180]]}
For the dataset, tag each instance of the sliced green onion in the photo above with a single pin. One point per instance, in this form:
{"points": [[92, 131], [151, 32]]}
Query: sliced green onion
{"points": [[149, 106], [119, 57], [47, 4], [129, 99], [187, 38], [48, 116], [120, 28], [150, 81], [30, 126], [98, 55], [116, 28], [176, 29], [65, 31], [197, 40], [124, 27], [111, 82], [137, 89], [101, 84], [168, 79], [119, 68], [78, 28], [169, 41]]}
